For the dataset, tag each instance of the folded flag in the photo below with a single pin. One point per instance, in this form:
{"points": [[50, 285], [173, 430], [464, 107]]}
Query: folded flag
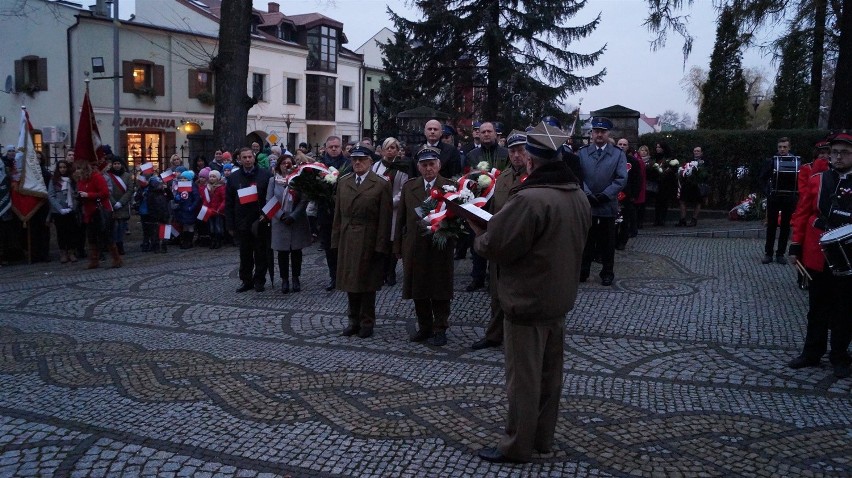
{"points": [[146, 168], [272, 207], [167, 175], [248, 194], [205, 214], [165, 231], [184, 186]]}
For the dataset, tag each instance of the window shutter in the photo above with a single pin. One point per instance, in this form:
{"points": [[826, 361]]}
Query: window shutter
{"points": [[192, 76], [159, 80], [127, 76], [42, 74], [19, 75], [170, 144]]}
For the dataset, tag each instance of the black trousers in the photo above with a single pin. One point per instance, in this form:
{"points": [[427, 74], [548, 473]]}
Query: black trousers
{"points": [[362, 309], [283, 264], [432, 314], [829, 308], [601, 239], [253, 256], [67, 231], [775, 205]]}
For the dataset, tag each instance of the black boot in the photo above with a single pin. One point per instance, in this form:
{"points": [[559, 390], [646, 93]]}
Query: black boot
{"points": [[120, 246], [285, 286], [297, 286]]}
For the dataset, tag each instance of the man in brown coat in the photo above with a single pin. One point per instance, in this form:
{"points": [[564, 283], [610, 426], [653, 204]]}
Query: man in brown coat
{"points": [[511, 176], [360, 232], [537, 240], [428, 270]]}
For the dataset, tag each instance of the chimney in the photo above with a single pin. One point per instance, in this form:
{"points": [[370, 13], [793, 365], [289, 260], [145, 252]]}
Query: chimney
{"points": [[273, 7]]}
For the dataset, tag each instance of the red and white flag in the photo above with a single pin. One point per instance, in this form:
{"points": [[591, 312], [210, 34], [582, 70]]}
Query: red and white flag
{"points": [[146, 168], [167, 175], [205, 213], [248, 194], [272, 207], [184, 186], [31, 191], [165, 231], [88, 145]]}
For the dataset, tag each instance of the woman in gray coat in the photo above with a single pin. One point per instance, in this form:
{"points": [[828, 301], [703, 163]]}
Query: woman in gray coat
{"points": [[62, 195], [290, 230]]}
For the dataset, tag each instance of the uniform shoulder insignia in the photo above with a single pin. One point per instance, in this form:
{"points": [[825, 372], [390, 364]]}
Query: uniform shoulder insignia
{"points": [[410, 179], [346, 175]]}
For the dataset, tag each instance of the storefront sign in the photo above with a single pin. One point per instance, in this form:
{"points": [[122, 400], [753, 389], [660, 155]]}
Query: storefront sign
{"points": [[136, 122]]}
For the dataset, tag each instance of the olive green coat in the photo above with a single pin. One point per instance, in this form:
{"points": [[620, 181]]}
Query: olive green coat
{"points": [[428, 271], [360, 231]]}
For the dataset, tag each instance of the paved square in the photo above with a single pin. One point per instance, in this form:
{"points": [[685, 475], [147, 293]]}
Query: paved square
{"points": [[158, 368]]}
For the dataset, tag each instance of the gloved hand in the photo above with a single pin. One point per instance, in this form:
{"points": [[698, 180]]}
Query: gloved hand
{"points": [[593, 201], [65, 211], [602, 198], [117, 205]]}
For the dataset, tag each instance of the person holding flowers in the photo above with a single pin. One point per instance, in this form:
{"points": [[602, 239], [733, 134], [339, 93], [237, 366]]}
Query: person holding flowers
{"points": [[427, 268], [360, 231]]}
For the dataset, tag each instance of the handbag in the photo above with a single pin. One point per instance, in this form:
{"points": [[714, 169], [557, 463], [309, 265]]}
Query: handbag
{"points": [[102, 216]]}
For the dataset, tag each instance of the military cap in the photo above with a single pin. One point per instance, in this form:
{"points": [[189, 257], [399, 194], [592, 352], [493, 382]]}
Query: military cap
{"points": [[360, 151], [599, 122], [552, 121], [545, 141], [428, 153], [448, 130], [477, 124], [841, 138], [516, 138]]}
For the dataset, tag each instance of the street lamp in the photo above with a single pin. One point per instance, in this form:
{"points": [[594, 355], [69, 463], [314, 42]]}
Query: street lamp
{"points": [[288, 120]]}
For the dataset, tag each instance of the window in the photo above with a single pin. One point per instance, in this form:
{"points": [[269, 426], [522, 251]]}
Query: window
{"points": [[200, 83], [292, 95], [31, 74], [322, 49], [292, 141], [285, 32], [320, 97], [142, 77], [258, 86], [346, 97]]}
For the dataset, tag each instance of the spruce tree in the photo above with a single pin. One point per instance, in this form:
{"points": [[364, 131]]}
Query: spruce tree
{"points": [[790, 103], [506, 57], [724, 94]]}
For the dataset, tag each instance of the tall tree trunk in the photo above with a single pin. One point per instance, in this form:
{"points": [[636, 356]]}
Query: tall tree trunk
{"points": [[817, 59], [492, 45], [841, 101], [230, 67]]}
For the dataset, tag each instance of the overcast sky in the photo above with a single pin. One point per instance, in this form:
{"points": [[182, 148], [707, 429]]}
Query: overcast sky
{"points": [[636, 77]]}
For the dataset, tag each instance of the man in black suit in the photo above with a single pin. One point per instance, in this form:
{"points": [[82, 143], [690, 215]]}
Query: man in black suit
{"points": [[450, 158]]}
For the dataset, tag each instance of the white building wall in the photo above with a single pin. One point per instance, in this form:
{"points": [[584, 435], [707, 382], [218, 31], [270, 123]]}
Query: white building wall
{"points": [[170, 14]]}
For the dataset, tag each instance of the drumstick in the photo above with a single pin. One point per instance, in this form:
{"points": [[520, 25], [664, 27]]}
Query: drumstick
{"points": [[803, 270]]}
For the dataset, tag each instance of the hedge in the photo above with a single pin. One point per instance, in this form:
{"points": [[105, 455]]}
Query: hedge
{"points": [[727, 150]]}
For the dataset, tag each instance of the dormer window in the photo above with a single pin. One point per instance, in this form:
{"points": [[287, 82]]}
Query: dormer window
{"points": [[322, 49]]}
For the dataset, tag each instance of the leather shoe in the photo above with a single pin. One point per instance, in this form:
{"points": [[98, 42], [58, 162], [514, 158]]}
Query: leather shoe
{"points": [[331, 285], [802, 362], [842, 370], [246, 286], [475, 285], [607, 281], [484, 344], [780, 259], [285, 287], [439, 339], [766, 260], [297, 286], [493, 455], [349, 331], [420, 336], [584, 276], [259, 288], [365, 332]]}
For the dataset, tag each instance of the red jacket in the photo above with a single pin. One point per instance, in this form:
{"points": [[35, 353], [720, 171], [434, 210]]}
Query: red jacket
{"points": [[805, 235], [217, 199], [97, 188]]}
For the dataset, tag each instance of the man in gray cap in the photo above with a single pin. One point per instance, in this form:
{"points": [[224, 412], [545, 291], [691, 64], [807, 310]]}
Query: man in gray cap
{"points": [[539, 260], [604, 170], [514, 173], [427, 269]]}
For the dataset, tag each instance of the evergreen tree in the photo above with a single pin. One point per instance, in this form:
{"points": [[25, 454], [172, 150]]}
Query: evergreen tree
{"points": [[790, 105], [724, 94], [506, 58]]}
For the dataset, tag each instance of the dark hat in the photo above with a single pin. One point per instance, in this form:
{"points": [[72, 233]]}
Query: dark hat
{"points": [[599, 122], [545, 141], [552, 121], [477, 124], [498, 127], [516, 138], [304, 145], [448, 130], [360, 151], [427, 153], [822, 144], [841, 138]]}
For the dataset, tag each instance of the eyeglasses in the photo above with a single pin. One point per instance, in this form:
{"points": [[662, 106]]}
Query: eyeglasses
{"points": [[835, 153]]}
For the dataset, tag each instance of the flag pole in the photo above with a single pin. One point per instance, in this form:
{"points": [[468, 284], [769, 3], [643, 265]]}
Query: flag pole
{"points": [[26, 222]]}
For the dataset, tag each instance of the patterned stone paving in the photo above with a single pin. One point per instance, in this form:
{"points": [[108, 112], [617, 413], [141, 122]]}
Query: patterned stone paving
{"points": [[159, 369]]}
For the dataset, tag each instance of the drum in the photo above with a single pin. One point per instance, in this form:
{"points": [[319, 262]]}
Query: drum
{"points": [[836, 244], [785, 175]]}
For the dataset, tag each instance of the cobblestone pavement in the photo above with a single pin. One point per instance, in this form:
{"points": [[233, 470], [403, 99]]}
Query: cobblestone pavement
{"points": [[158, 368]]}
